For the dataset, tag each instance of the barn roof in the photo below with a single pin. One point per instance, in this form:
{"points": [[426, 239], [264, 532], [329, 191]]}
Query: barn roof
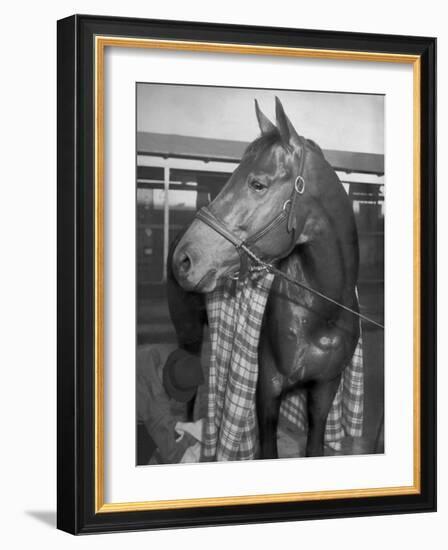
{"points": [[221, 150]]}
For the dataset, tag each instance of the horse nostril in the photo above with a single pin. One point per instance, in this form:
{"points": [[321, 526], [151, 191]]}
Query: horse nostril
{"points": [[184, 263]]}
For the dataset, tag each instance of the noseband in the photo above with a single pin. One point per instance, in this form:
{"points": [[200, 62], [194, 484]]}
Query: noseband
{"points": [[244, 246]]}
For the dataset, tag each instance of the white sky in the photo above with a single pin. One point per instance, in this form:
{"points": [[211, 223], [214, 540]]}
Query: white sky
{"points": [[350, 122]]}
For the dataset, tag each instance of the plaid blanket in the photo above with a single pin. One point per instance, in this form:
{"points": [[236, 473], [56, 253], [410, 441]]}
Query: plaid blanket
{"points": [[235, 312], [347, 411]]}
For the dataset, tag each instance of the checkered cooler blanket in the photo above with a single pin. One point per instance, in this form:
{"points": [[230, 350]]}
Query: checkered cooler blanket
{"points": [[235, 312]]}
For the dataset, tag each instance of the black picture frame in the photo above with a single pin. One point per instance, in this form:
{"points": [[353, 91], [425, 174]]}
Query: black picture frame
{"points": [[76, 511]]}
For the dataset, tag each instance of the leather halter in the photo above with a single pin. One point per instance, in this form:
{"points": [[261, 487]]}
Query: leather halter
{"points": [[245, 252], [288, 215]]}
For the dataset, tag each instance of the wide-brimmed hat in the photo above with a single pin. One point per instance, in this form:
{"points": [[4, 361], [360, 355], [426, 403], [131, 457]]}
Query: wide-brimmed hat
{"points": [[182, 374]]}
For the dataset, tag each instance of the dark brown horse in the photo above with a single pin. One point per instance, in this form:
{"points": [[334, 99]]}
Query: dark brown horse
{"points": [[285, 204]]}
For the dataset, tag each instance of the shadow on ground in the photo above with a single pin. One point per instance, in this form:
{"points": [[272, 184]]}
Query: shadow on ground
{"points": [[48, 517]]}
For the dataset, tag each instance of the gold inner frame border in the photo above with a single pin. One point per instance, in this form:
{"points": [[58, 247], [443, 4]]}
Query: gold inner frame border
{"points": [[100, 44]]}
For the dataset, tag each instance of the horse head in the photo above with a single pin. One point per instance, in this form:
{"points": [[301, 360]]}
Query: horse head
{"points": [[266, 204]]}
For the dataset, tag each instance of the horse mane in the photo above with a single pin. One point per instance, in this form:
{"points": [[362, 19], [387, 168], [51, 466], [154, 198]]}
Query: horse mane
{"points": [[314, 146], [265, 141]]}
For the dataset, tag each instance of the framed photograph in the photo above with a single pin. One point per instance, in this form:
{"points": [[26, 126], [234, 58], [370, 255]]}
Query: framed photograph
{"points": [[246, 274]]}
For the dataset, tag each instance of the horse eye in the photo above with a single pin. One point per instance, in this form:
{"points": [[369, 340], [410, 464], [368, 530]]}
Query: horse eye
{"points": [[257, 185]]}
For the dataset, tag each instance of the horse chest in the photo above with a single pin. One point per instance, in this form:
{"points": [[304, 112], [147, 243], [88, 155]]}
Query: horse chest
{"points": [[297, 345]]}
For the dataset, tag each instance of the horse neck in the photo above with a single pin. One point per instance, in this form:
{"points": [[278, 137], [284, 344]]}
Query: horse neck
{"points": [[329, 249]]}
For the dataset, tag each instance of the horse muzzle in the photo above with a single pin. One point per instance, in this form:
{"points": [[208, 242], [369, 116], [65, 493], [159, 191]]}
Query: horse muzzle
{"points": [[202, 257]]}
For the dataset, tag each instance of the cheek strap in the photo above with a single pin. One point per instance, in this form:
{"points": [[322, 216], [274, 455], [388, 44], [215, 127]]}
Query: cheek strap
{"points": [[299, 188]]}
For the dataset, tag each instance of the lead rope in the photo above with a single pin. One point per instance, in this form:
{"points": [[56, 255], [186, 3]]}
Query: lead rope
{"points": [[277, 272]]}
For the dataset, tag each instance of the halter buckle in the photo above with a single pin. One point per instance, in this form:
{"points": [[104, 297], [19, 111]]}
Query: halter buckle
{"points": [[285, 204], [299, 185]]}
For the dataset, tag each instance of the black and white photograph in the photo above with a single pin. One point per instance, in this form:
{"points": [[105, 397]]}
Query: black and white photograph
{"points": [[259, 274]]}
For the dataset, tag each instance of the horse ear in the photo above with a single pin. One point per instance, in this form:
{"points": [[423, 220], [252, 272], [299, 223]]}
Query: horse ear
{"points": [[264, 123], [284, 125]]}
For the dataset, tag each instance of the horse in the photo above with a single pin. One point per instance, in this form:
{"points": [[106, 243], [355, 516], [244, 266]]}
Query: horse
{"points": [[284, 205]]}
